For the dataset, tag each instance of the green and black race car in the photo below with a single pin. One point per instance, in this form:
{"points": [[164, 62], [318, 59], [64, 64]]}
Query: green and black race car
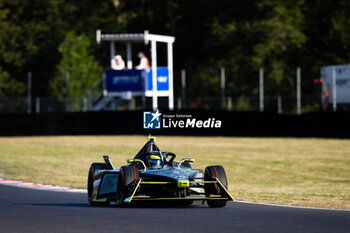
{"points": [[154, 175]]}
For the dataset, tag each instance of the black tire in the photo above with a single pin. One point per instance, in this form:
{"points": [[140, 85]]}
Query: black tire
{"points": [[90, 183], [126, 178], [214, 189]]}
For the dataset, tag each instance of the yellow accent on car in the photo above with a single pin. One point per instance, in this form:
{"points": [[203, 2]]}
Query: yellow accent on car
{"points": [[223, 187], [155, 182], [100, 200], [138, 161], [199, 198], [190, 160], [137, 186], [150, 137], [156, 157], [183, 184], [203, 182], [141, 197]]}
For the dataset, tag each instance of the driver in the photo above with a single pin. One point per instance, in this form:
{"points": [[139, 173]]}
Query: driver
{"points": [[154, 161]]}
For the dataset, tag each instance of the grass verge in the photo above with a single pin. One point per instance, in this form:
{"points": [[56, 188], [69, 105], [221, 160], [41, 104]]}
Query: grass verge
{"points": [[308, 172]]}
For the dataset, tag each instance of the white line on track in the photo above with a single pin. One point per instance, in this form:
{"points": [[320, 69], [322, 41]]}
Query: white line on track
{"points": [[290, 206], [23, 184]]}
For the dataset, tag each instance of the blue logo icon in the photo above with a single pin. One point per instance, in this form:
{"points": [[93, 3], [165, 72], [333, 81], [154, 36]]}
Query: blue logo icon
{"points": [[151, 120]]}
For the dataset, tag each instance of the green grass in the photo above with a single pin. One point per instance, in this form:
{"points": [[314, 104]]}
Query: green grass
{"points": [[308, 172]]}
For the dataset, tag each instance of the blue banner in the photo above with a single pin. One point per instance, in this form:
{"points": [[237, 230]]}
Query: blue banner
{"points": [[162, 79], [124, 80]]}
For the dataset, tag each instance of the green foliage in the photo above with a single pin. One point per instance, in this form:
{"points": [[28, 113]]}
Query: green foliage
{"points": [[241, 36], [9, 86], [281, 33], [77, 60], [31, 32], [28, 42]]}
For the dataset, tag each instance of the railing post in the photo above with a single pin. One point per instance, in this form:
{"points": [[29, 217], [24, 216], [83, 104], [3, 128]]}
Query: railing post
{"points": [[85, 105], [37, 104], [29, 93], [261, 89], [67, 92], [298, 91], [229, 103], [279, 104], [183, 89], [179, 105], [223, 87]]}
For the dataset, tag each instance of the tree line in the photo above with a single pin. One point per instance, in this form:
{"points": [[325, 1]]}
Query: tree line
{"points": [[52, 37]]}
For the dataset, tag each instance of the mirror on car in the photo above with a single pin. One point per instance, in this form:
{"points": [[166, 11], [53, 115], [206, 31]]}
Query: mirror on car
{"points": [[190, 160]]}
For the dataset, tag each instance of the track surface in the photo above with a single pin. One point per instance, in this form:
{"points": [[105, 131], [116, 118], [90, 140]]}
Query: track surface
{"points": [[27, 210]]}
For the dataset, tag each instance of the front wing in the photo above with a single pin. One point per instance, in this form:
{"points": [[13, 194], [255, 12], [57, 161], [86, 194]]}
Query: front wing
{"points": [[135, 196]]}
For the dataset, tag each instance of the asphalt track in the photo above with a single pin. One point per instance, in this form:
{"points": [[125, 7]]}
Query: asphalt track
{"points": [[27, 210]]}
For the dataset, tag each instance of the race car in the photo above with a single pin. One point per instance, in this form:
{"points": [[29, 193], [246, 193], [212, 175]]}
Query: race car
{"points": [[154, 176]]}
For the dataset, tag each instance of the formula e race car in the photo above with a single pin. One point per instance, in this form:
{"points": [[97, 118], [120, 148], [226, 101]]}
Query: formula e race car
{"points": [[154, 175]]}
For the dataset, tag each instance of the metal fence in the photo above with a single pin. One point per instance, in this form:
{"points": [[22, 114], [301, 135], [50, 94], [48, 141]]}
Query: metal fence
{"points": [[278, 104], [36, 105], [283, 104]]}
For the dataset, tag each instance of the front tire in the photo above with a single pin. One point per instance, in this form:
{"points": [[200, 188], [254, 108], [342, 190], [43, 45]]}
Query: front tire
{"points": [[90, 184], [214, 189], [126, 179]]}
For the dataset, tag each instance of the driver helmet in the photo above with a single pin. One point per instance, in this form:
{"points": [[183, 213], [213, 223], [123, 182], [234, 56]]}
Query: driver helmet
{"points": [[154, 161]]}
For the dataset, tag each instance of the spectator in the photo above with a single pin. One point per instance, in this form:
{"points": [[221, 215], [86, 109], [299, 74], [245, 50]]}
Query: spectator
{"points": [[144, 63], [117, 63]]}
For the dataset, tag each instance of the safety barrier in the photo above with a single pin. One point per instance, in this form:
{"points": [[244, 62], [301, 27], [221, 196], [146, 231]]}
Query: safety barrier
{"points": [[131, 122]]}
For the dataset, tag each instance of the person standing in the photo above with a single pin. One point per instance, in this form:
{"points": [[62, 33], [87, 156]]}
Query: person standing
{"points": [[117, 63], [144, 63]]}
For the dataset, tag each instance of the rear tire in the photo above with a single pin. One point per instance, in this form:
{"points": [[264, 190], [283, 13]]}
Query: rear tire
{"points": [[127, 176], [90, 183], [214, 189]]}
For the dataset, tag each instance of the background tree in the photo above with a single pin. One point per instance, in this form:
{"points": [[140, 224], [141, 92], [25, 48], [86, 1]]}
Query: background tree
{"points": [[77, 60], [279, 36], [29, 43], [241, 36], [31, 32]]}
